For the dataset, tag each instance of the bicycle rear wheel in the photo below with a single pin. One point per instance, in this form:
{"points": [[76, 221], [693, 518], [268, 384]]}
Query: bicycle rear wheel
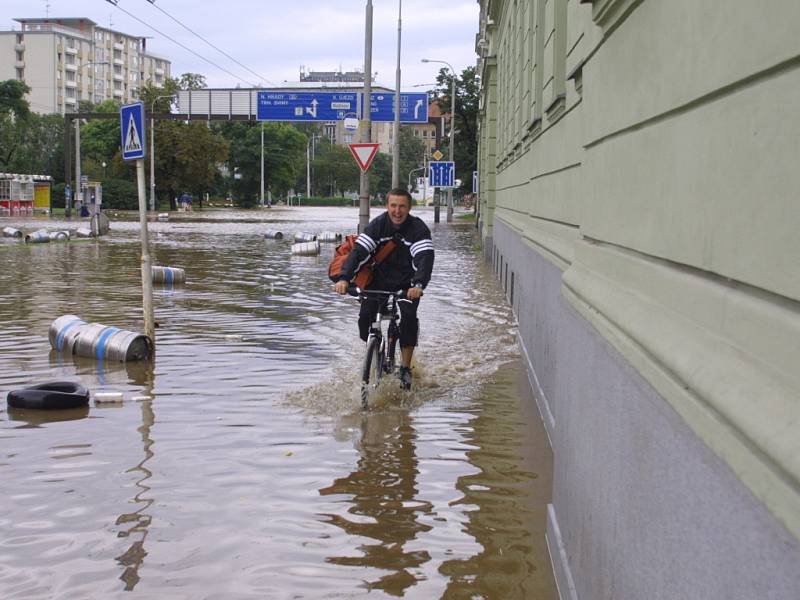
{"points": [[372, 370]]}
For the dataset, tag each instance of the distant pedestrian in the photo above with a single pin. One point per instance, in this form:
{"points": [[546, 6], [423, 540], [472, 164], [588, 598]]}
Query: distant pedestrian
{"points": [[186, 201]]}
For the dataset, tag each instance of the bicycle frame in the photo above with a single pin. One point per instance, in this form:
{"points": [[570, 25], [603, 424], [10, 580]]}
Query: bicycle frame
{"points": [[381, 347]]}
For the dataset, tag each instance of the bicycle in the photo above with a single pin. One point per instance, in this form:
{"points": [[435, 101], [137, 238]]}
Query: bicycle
{"points": [[381, 349]]}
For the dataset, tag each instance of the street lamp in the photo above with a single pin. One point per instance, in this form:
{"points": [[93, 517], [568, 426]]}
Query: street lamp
{"points": [[104, 165], [409, 176], [452, 130], [153, 152], [78, 193]]}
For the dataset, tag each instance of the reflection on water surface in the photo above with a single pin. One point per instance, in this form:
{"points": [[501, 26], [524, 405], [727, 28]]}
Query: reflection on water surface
{"points": [[252, 472]]}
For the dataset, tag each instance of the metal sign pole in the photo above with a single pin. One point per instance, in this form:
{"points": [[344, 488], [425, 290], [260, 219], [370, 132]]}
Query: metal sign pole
{"points": [[147, 278], [366, 119]]}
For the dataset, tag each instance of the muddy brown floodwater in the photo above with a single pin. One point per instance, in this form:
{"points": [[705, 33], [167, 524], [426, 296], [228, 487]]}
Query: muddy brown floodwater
{"points": [[252, 472]]}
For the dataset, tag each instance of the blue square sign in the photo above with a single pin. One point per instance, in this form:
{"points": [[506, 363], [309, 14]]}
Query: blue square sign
{"points": [[131, 117], [442, 173]]}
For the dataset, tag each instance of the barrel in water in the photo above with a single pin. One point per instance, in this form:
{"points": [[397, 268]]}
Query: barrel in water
{"points": [[11, 232], [37, 237], [59, 236], [83, 232], [330, 236], [72, 335], [163, 216], [168, 275], [306, 248], [273, 234], [302, 236]]}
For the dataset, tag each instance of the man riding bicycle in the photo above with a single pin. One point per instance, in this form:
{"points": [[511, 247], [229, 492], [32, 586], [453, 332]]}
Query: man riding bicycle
{"points": [[408, 268]]}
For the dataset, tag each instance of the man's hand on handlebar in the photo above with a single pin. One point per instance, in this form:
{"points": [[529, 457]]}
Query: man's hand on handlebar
{"points": [[413, 293], [340, 287]]}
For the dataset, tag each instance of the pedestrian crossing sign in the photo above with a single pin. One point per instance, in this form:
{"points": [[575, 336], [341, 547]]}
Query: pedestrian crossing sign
{"points": [[131, 118]]}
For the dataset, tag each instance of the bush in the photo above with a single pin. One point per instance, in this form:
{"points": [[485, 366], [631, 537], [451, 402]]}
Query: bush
{"points": [[120, 194]]}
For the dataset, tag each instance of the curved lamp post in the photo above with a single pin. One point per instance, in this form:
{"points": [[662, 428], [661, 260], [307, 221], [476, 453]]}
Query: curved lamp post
{"points": [[452, 130], [153, 152]]}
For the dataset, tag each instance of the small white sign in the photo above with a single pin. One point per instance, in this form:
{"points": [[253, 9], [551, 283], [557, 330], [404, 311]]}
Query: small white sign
{"points": [[351, 123]]}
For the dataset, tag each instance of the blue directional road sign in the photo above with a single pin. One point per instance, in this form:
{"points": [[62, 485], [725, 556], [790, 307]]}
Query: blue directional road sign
{"points": [[442, 173], [131, 118], [413, 107], [306, 106]]}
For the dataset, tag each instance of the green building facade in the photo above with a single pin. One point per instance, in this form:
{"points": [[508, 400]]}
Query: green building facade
{"points": [[639, 170]]}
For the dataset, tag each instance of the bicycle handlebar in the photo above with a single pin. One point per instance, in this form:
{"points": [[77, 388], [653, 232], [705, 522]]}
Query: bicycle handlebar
{"points": [[399, 294]]}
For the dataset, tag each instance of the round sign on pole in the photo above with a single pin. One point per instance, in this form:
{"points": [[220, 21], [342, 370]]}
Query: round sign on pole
{"points": [[350, 123]]}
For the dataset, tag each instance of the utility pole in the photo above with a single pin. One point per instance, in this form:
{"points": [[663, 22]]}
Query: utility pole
{"points": [[396, 145], [366, 116], [262, 163]]}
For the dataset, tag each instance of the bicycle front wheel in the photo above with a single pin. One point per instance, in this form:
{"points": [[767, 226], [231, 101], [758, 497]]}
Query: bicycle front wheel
{"points": [[372, 370]]}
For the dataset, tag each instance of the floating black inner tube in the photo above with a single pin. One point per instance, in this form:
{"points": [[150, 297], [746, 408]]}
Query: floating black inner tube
{"points": [[56, 395]]}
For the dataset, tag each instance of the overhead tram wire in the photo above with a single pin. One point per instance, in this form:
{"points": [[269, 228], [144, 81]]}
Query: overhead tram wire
{"points": [[264, 79], [116, 3]]}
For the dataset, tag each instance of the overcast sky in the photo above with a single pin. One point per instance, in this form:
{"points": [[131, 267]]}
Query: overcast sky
{"points": [[274, 38]]}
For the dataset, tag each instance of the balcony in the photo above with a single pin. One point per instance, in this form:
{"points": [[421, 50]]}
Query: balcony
{"points": [[69, 50], [118, 46], [159, 71], [118, 93], [70, 67], [70, 101], [19, 47], [119, 61], [20, 64], [119, 77], [71, 84]]}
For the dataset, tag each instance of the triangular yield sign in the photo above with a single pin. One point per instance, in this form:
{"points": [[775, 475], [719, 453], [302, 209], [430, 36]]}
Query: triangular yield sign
{"points": [[363, 153]]}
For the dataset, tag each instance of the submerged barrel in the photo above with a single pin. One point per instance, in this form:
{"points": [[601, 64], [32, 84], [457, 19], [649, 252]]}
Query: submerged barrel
{"points": [[306, 248], [59, 236], [11, 232], [273, 234], [37, 237], [330, 236], [72, 335], [83, 232], [163, 216], [303, 236], [168, 275]]}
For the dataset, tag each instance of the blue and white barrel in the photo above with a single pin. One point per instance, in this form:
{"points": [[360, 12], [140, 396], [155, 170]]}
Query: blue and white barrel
{"points": [[70, 334], [11, 232], [303, 236], [37, 237], [306, 248], [330, 237], [163, 216], [59, 236], [83, 232], [273, 234], [63, 332], [168, 275]]}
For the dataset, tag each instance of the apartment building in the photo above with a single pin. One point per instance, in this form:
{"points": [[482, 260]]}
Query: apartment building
{"points": [[67, 60]]}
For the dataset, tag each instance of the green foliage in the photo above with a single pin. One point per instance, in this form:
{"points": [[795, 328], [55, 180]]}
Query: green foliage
{"points": [[12, 98], [335, 170], [466, 120], [333, 201], [33, 145], [118, 193], [100, 138]]}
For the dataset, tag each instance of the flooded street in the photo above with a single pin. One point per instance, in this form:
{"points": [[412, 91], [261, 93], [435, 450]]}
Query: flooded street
{"points": [[253, 472]]}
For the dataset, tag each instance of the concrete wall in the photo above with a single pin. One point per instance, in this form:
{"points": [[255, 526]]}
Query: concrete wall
{"points": [[642, 189]]}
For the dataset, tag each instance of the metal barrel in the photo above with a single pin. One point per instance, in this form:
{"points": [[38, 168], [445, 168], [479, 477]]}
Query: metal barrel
{"points": [[59, 236], [82, 232], [11, 232], [168, 275], [99, 224], [163, 216], [273, 234], [306, 248], [37, 237], [303, 236], [93, 340], [63, 331], [330, 236]]}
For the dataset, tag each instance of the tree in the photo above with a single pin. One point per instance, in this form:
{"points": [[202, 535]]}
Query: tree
{"points": [[12, 98], [466, 119], [192, 81], [412, 153], [100, 138]]}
